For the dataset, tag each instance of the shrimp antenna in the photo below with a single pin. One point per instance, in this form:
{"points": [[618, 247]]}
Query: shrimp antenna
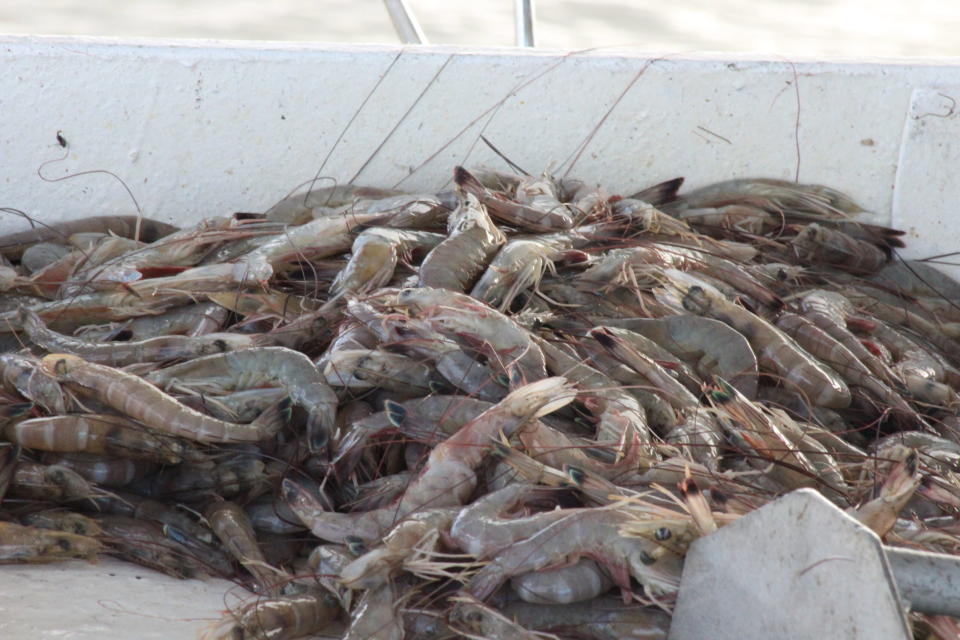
{"points": [[503, 157]]}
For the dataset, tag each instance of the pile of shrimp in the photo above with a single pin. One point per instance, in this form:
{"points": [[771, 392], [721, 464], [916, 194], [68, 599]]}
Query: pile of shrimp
{"points": [[500, 411]]}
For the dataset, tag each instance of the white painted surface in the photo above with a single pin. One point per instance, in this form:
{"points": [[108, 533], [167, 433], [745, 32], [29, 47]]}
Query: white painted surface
{"points": [[798, 569], [110, 600], [198, 129]]}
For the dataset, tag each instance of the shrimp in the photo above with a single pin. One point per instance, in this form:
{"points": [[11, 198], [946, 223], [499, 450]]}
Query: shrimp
{"points": [[832, 352], [189, 481], [42, 255], [448, 477], [376, 616], [101, 470], [740, 218], [832, 248], [472, 239], [416, 337], [583, 580], [502, 340], [122, 503], [49, 482], [319, 238], [232, 526], [920, 371], [282, 618], [271, 515], [603, 618], [298, 208], [375, 254], [520, 264], [616, 342], [140, 400], [594, 533], [99, 307], [543, 215], [714, 347], [63, 521], [144, 542], [618, 414], [259, 366], [880, 514], [775, 350], [238, 406], [915, 322], [481, 530], [25, 376], [95, 434], [376, 567], [758, 432], [192, 319], [373, 368], [13, 245], [19, 544], [325, 563], [473, 619], [830, 310], [421, 418]]}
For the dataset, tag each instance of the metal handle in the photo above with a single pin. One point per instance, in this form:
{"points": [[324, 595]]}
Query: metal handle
{"points": [[930, 582], [406, 25], [523, 9]]}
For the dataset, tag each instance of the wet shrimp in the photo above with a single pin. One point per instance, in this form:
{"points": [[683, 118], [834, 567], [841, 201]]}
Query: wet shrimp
{"points": [[775, 351], [473, 619], [282, 618], [714, 347], [279, 366], [604, 618], [95, 434], [448, 478], [374, 256], [20, 544], [318, 238], [537, 216], [498, 337], [232, 526], [24, 375], [593, 533], [140, 400], [375, 368], [417, 338], [123, 353], [457, 261]]}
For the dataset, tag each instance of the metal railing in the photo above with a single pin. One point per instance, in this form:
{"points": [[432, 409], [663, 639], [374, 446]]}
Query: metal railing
{"points": [[409, 31]]}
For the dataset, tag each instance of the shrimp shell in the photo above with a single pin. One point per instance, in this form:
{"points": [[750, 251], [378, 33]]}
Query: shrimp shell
{"points": [[137, 398]]}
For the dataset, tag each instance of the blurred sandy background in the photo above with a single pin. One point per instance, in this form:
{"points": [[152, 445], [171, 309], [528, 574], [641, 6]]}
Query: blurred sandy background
{"points": [[781, 27]]}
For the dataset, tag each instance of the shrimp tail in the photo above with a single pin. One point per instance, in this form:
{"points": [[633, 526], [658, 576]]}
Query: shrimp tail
{"points": [[540, 398], [697, 505], [661, 193]]}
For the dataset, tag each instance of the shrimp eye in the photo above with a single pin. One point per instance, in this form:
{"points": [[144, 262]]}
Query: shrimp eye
{"points": [[646, 558], [61, 367], [63, 544], [355, 546], [502, 380], [289, 490], [662, 534], [576, 475], [436, 386], [396, 413], [220, 345]]}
